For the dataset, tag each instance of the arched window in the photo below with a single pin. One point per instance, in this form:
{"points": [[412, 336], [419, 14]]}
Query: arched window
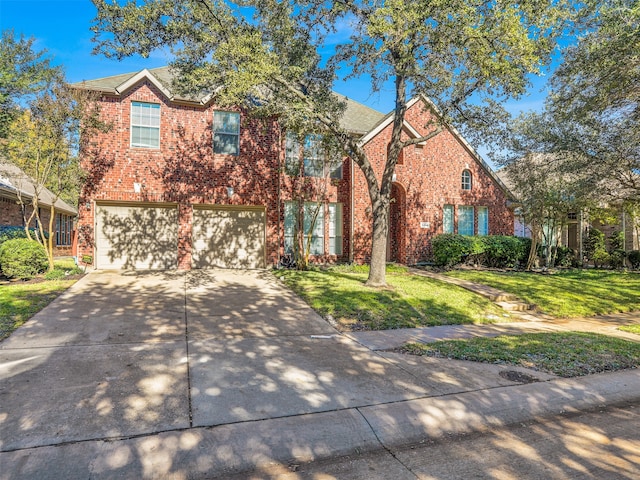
{"points": [[466, 180]]}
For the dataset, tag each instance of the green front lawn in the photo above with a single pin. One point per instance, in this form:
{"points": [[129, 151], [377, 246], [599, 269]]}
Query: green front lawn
{"points": [[567, 354], [571, 293], [631, 328], [20, 300], [408, 301]]}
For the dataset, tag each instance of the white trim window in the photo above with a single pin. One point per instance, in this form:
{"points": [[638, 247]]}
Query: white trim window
{"points": [[466, 180], [447, 219], [292, 154], [290, 216], [313, 156], [483, 221], [145, 125], [313, 210], [316, 229], [226, 133], [335, 229], [465, 220]]}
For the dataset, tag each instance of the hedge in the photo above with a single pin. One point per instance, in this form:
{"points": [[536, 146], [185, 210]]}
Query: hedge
{"points": [[9, 232], [498, 251], [22, 258]]}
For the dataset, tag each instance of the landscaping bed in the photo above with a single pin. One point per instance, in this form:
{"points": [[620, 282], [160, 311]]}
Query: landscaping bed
{"points": [[340, 293], [567, 354]]}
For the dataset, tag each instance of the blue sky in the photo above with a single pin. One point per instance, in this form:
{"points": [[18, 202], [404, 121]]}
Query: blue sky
{"points": [[62, 27]]}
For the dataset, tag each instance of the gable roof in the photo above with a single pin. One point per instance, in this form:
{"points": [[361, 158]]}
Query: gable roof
{"points": [[15, 183], [388, 119], [357, 118]]}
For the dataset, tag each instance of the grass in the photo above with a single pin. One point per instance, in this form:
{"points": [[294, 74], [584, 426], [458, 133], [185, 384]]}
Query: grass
{"points": [[19, 300], [566, 294], [631, 328], [408, 301], [568, 354]]}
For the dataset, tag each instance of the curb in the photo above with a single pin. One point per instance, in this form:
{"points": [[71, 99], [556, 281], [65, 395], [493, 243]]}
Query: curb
{"points": [[220, 451]]}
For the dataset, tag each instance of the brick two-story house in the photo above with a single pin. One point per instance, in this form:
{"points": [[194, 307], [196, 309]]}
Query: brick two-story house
{"points": [[180, 183]]}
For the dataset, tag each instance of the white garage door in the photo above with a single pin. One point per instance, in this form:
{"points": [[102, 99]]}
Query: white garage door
{"points": [[136, 237], [228, 237]]}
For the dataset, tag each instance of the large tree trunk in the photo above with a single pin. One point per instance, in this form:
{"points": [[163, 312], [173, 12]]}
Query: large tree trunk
{"points": [[377, 268]]}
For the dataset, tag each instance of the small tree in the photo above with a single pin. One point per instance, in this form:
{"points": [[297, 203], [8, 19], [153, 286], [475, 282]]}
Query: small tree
{"points": [[595, 247], [45, 141]]}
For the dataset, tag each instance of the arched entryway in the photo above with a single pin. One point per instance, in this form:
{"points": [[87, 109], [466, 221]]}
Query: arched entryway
{"points": [[397, 225]]}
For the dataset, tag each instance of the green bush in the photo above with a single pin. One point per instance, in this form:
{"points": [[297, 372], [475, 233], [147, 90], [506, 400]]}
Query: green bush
{"points": [[9, 232], [501, 251], [616, 249], [565, 257], [634, 259], [595, 249], [450, 249], [22, 258], [58, 273], [498, 251]]}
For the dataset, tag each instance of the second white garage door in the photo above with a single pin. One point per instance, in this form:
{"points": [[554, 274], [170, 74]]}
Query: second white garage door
{"points": [[137, 236], [228, 237]]}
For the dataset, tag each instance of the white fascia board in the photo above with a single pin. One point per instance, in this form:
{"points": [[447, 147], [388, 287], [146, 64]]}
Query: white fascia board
{"points": [[141, 75], [387, 121]]}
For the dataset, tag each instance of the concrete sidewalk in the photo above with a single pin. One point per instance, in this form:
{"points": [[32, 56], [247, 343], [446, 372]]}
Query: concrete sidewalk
{"points": [[210, 373]]}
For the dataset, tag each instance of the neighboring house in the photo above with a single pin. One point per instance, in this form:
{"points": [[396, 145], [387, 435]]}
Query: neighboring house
{"points": [[575, 228], [178, 182], [16, 194]]}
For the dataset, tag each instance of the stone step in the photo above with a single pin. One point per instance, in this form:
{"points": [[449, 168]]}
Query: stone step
{"points": [[502, 297], [515, 306]]}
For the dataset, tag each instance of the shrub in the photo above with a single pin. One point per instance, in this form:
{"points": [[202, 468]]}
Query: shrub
{"points": [[22, 258], [634, 259], [498, 251], [594, 247], [616, 249], [501, 251], [58, 273], [449, 249], [565, 257]]}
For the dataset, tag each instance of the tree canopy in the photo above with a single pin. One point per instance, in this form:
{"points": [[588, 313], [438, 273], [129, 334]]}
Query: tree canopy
{"points": [[283, 58], [23, 73]]}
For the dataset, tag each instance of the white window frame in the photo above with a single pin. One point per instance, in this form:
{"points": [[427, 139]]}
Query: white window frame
{"points": [[335, 229], [448, 219], [150, 122], [483, 221], [467, 180], [290, 220], [313, 156], [292, 154], [219, 132], [466, 214]]}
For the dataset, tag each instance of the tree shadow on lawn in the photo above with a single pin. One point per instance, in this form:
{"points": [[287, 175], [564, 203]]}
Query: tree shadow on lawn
{"points": [[366, 308]]}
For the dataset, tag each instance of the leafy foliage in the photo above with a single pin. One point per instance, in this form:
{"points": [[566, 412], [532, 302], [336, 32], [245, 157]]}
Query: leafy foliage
{"points": [[595, 247], [9, 232], [499, 251], [266, 55], [634, 259], [23, 72], [22, 258]]}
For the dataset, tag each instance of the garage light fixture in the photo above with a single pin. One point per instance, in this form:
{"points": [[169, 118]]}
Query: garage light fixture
{"points": [[229, 192]]}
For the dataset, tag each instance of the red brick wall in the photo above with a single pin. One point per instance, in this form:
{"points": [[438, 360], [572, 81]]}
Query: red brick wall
{"points": [[428, 178], [185, 171]]}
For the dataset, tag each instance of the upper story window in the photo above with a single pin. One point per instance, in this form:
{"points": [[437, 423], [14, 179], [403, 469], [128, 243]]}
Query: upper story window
{"points": [[145, 125], [466, 180], [226, 132], [313, 155]]}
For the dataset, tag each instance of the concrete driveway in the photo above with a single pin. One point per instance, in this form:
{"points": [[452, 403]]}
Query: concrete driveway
{"points": [[126, 374]]}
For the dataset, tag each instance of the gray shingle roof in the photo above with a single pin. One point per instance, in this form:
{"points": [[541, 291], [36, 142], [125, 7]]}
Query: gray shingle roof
{"points": [[14, 181], [357, 118]]}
